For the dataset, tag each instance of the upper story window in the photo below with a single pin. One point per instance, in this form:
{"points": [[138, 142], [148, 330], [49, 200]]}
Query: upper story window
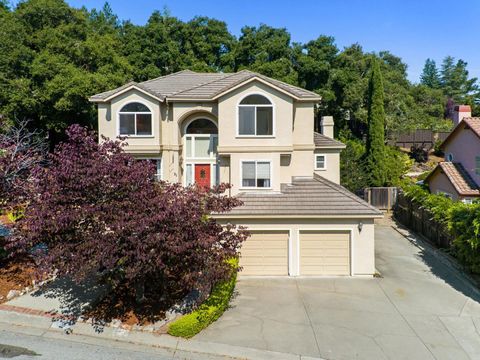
{"points": [[256, 174], [135, 119], [255, 116], [201, 139], [320, 162]]}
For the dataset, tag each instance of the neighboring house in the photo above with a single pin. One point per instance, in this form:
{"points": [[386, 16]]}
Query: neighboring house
{"points": [[256, 133], [458, 177]]}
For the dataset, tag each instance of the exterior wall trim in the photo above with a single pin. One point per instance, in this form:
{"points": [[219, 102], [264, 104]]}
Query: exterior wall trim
{"points": [[253, 149], [252, 216]]}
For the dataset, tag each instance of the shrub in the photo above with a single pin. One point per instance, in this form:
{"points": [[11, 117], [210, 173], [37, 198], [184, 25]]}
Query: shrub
{"points": [[98, 210], [464, 223], [191, 324]]}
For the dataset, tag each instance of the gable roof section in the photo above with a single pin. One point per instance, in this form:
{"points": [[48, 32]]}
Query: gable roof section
{"points": [[189, 85], [322, 141], [472, 123], [458, 177], [310, 197]]}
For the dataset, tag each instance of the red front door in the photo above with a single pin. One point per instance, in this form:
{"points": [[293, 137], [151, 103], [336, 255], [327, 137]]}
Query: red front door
{"points": [[202, 174]]}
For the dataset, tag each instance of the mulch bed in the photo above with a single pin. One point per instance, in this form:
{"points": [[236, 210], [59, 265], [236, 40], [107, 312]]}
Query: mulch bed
{"points": [[15, 275]]}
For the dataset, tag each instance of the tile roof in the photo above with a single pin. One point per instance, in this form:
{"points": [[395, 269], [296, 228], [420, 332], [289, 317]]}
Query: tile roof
{"points": [[459, 177], [472, 123], [315, 196], [322, 141], [188, 84]]}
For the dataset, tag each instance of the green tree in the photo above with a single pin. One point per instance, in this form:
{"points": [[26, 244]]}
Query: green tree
{"points": [[375, 150], [430, 76], [266, 50], [455, 81], [52, 59]]}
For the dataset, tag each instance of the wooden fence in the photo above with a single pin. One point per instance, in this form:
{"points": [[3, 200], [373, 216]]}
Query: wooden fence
{"points": [[419, 138], [420, 220], [383, 198]]}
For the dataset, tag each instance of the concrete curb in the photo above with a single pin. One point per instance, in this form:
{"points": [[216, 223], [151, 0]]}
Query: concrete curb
{"points": [[43, 326], [440, 255]]}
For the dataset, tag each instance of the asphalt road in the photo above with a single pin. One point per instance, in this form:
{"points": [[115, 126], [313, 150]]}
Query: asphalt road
{"points": [[19, 346]]}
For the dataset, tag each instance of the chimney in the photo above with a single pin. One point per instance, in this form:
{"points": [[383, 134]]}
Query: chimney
{"points": [[460, 112], [326, 126]]}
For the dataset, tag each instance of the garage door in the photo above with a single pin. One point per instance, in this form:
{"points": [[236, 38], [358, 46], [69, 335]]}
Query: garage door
{"points": [[265, 253], [324, 253]]}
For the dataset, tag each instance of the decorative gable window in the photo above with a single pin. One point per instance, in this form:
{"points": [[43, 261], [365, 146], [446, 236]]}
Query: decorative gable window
{"points": [[256, 174], [320, 162], [135, 119], [255, 116]]}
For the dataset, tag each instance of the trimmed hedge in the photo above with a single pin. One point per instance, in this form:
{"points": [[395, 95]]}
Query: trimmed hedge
{"points": [[209, 311]]}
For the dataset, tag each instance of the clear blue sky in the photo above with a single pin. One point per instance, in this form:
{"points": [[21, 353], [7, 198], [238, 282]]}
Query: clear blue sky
{"points": [[411, 29]]}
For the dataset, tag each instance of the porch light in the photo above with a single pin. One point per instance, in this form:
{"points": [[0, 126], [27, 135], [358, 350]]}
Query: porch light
{"points": [[360, 226]]}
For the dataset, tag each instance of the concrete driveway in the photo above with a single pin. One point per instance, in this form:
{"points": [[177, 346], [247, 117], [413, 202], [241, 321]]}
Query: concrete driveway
{"points": [[420, 309]]}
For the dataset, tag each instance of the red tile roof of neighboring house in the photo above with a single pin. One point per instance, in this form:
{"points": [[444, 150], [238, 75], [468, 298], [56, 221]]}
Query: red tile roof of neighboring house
{"points": [[472, 123], [459, 177]]}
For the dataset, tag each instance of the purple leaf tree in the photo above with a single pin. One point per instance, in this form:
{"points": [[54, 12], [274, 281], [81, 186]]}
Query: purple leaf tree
{"points": [[98, 210]]}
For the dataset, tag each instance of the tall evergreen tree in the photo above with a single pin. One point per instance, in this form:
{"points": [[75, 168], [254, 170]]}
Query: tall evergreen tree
{"points": [[375, 154], [455, 81], [430, 76]]}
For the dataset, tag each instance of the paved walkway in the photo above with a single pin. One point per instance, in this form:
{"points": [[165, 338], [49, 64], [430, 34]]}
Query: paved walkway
{"points": [[420, 309]]}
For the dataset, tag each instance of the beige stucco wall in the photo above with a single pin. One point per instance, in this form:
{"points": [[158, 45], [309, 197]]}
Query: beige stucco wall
{"points": [[362, 243], [235, 170], [228, 115], [464, 146], [108, 121], [303, 123], [332, 172], [292, 140]]}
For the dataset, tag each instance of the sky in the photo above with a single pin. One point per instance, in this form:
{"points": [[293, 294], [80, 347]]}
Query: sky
{"points": [[412, 29]]}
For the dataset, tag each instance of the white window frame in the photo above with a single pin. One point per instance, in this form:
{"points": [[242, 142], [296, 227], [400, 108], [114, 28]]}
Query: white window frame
{"points": [[272, 105], [468, 201], [135, 122], [159, 169], [269, 161], [213, 155], [324, 162]]}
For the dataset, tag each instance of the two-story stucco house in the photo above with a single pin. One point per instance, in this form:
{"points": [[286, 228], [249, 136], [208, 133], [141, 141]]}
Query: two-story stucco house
{"points": [[458, 177], [257, 134]]}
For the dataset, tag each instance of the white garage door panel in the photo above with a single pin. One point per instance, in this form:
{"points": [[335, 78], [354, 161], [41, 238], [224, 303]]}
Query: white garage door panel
{"points": [[324, 253], [265, 253]]}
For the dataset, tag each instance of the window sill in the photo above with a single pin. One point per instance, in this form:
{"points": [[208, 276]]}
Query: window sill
{"points": [[255, 136], [137, 136], [323, 169], [255, 188]]}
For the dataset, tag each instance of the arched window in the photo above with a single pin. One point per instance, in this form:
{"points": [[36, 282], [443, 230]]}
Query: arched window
{"points": [[255, 116], [201, 126], [135, 120]]}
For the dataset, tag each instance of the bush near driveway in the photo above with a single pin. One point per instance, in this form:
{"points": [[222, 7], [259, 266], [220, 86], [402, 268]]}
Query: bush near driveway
{"points": [[191, 324], [98, 210]]}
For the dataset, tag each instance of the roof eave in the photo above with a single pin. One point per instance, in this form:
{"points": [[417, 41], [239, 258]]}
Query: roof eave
{"points": [[257, 78], [304, 216], [331, 147], [122, 91]]}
